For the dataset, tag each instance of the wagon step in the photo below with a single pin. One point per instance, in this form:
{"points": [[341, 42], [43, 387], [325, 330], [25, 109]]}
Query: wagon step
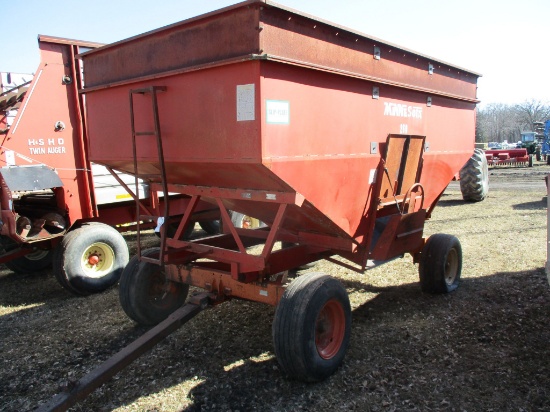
{"points": [[77, 391]]}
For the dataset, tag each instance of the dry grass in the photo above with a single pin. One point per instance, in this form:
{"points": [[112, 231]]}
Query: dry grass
{"points": [[482, 348]]}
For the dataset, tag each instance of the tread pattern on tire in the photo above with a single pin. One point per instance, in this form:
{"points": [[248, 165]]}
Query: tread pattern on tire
{"points": [[289, 332], [130, 295], [125, 287], [64, 263], [474, 177]]}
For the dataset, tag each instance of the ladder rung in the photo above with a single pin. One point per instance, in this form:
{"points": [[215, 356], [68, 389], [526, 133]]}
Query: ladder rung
{"points": [[152, 91]]}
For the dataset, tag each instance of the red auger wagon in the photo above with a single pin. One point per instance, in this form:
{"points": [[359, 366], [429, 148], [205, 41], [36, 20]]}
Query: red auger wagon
{"points": [[57, 207], [340, 143]]}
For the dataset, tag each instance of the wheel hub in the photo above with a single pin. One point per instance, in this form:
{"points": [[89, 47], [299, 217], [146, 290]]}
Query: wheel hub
{"points": [[93, 260], [98, 260], [330, 329]]}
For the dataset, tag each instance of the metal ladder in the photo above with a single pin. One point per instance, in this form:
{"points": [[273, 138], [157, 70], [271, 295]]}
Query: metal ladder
{"points": [[150, 91]]}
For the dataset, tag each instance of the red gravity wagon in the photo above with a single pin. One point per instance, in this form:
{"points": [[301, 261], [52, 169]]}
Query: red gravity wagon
{"points": [[339, 142]]}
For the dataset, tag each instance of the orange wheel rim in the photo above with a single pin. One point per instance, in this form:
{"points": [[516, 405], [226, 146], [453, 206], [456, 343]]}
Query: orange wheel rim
{"points": [[330, 329]]}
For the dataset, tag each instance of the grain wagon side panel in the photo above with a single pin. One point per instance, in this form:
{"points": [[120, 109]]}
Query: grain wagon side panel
{"points": [[204, 142], [322, 149]]}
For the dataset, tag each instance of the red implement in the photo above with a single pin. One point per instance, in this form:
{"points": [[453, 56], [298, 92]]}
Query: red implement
{"points": [[339, 142]]}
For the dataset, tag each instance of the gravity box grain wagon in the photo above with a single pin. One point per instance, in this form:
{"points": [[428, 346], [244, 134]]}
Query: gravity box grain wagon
{"points": [[339, 142]]}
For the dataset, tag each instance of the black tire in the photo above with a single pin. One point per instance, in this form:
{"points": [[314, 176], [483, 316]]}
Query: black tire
{"points": [[145, 295], [312, 326], [440, 264], [90, 259], [474, 177], [173, 227], [36, 261], [212, 227]]}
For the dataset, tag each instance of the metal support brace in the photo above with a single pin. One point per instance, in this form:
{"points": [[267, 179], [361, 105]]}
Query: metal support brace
{"points": [[77, 391]]}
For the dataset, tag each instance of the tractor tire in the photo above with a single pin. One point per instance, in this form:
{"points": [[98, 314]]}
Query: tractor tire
{"points": [[474, 178], [90, 259], [312, 327], [145, 294], [440, 264], [212, 227], [35, 262]]}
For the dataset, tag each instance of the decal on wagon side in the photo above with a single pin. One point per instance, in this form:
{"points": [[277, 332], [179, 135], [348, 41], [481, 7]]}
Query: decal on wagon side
{"points": [[245, 102], [277, 111], [402, 110], [46, 146]]}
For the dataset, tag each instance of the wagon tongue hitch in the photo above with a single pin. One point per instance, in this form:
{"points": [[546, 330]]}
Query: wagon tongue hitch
{"points": [[74, 392]]}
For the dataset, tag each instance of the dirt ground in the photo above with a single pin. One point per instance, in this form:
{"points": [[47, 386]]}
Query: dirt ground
{"points": [[484, 347]]}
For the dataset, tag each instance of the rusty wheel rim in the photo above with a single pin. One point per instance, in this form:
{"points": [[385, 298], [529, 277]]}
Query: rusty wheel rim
{"points": [[330, 329]]}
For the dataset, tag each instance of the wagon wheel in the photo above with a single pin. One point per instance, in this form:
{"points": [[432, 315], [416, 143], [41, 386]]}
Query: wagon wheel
{"points": [[146, 295], [212, 227], [440, 264], [90, 259], [173, 228], [312, 326], [36, 261], [243, 221]]}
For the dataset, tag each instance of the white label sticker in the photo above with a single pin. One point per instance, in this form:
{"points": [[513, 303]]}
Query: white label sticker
{"points": [[245, 102], [277, 111], [10, 158]]}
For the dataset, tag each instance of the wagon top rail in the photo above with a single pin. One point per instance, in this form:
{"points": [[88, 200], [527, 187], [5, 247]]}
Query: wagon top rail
{"points": [[262, 29]]}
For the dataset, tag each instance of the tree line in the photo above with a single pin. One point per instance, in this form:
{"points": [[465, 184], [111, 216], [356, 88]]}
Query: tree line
{"points": [[498, 122]]}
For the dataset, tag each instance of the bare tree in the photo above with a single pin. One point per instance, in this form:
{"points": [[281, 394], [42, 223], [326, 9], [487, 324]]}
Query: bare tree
{"points": [[531, 111], [498, 122]]}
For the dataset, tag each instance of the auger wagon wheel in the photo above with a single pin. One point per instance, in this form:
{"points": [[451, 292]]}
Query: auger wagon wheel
{"points": [[440, 264], [36, 261], [312, 327], [146, 295], [90, 259]]}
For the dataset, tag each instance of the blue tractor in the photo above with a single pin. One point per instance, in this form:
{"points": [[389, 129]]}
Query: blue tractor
{"points": [[545, 143], [542, 134]]}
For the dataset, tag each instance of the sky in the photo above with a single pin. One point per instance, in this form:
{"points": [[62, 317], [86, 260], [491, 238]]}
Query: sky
{"points": [[504, 40]]}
